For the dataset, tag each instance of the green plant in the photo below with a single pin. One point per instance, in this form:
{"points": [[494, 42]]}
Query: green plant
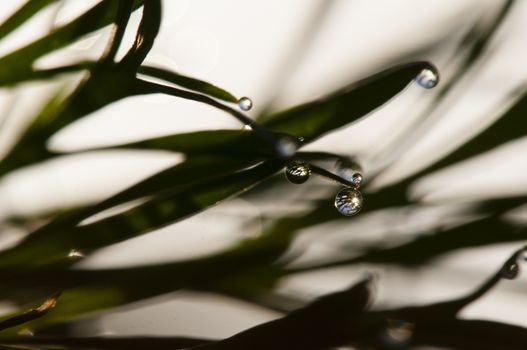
{"points": [[40, 265]]}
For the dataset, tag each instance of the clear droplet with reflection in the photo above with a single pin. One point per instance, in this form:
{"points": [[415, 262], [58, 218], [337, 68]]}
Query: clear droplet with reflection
{"points": [[286, 146], [75, 254], [350, 171], [428, 78], [357, 179], [510, 270], [348, 201], [245, 103], [297, 172], [397, 334]]}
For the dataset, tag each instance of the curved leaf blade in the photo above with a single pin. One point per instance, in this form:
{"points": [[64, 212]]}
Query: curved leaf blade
{"points": [[52, 246], [17, 66], [188, 83], [20, 16], [314, 119]]}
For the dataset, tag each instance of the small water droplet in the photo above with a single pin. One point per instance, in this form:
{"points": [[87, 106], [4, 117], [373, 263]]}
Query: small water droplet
{"points": [[286, 146], [428, 78], [397, 334], [247, 127], [356, 179], [348, 201], [510, 271], [297, 172], [245, 103], [350, 171], [75, 254]]}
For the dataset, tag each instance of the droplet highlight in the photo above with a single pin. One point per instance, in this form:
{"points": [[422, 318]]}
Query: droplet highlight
{"points": [[350, 171], [428, 78], [510, 271], [286, 146], [348, 201], [75, 254], [297, 172], [245, 103]]}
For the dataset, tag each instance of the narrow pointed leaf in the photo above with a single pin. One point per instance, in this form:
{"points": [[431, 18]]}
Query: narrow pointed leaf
{"points": [[161, 210], [316, 118], [219, 142], [189, 172], [188, 83], [17, 66], [20, 16]]}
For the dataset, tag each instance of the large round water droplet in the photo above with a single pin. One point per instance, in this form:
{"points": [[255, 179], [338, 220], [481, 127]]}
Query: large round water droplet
{"points": [[510, 271], [350, 171], [245, 103], [286, 146], [297, 172], [348, 201], [428, 78]]}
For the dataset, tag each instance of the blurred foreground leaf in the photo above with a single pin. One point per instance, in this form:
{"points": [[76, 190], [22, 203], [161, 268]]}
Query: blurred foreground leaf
{"points": [[51, 246], [22, 15]]}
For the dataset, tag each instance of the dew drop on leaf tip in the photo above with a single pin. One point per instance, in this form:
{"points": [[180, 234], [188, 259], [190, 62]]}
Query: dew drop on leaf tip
{"points": [[350, 171], [428, 78], [245, 103], [510, 271]]}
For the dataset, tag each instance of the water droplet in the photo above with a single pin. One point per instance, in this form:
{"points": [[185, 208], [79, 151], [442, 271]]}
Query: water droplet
{"points": [[286, 146], [397, 334], [350, 171], [245, 103], [428, 78], [356, 179], [247, 127], [297, 172], [510, 270], [348, 201], [75, 254]]}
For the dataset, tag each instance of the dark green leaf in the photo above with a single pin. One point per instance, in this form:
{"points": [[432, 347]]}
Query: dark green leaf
{"points": [[221, 142], [192, 171], [314, 119], [30, 315], [163, 209], [25, 12], [17, 66], [145, 36], [188, 83]]}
